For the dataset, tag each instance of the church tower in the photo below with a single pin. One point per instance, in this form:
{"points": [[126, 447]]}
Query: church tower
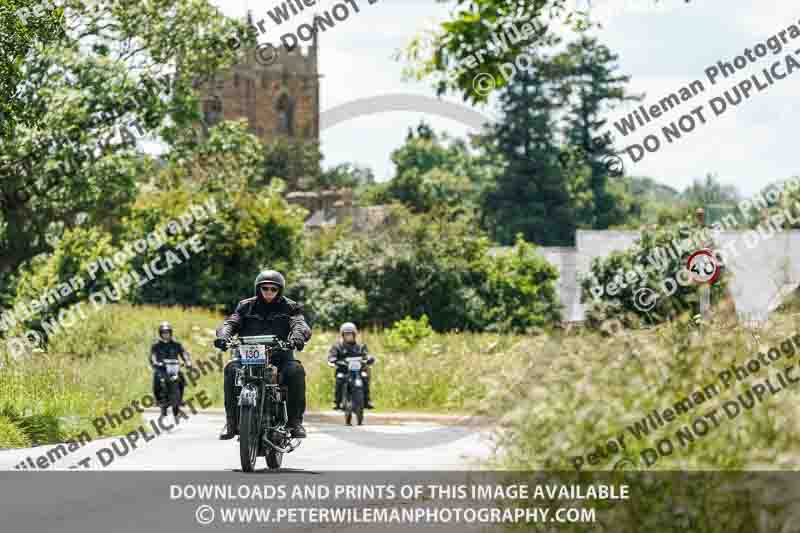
{"points": [[277, 92]]}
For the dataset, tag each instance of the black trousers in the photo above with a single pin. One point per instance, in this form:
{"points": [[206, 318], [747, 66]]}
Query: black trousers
{"points": [[290, 373], [340, 383]]}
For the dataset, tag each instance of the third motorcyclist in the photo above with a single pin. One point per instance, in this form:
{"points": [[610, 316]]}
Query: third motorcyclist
{"points": [[344, 348]]}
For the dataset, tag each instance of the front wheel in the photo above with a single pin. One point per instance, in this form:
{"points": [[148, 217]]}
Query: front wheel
{"points": [[174, 394], [348, 406], [248, 437], [358, 405]]}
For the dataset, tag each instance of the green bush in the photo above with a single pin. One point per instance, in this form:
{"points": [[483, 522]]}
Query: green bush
{"points": [[64, 278], [407, 333], [436, 265], [520, 290], [648, 263]]}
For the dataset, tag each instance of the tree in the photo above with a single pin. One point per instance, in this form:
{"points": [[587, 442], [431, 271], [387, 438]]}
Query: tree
{"points": [[69, 151], [297, 162], [436, 170], [530, 195], [444, 54], [24, 26], [346, 175], [710, 191], [588, 85]]}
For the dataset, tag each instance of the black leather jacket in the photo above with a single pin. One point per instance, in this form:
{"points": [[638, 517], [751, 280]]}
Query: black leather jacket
{"points": [[161, 350], [342, 350], [253, 316]]}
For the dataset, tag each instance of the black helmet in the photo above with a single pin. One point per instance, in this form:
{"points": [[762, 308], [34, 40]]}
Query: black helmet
{"points": [[164, 326], [272, 277]]}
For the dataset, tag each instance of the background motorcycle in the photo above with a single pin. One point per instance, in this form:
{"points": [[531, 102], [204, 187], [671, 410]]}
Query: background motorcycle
{"points": [[262, 403], [352, 370], [171, 389]]}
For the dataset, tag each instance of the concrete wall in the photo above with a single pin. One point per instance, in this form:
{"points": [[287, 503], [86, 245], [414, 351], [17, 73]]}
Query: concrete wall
{"points": [[765, 268]]}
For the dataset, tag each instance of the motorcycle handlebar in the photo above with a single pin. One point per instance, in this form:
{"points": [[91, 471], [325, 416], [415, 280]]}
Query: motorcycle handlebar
{"points": [[369, 361], [277, 343]]}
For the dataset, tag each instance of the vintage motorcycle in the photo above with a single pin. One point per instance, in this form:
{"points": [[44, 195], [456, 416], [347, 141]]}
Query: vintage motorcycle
{"points": [[352, 369], [262, 403], [171, 386]]}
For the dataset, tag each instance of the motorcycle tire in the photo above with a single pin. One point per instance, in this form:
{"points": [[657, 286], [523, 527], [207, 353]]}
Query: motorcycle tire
{"points": [[173, 395], [348, 409], [358, 405], [248, 437]]}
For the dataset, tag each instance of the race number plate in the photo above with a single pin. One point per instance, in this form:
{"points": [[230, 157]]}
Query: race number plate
{"points": [[253, 354], [354, 364]]}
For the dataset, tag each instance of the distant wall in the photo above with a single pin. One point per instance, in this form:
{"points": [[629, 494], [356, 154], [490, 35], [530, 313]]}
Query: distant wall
{"points": [[330, 207], [762, 274]]}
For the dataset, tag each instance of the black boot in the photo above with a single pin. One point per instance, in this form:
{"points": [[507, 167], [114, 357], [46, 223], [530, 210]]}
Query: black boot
{"points": [[296, 429], [230, 430], [163, 410]]}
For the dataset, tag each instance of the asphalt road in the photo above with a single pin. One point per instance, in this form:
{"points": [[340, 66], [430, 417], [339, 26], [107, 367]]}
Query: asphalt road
{"points": [[105, 498], [193, 445]]}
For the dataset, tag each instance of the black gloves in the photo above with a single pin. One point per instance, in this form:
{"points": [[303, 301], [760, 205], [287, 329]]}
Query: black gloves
{"points": [[294, 343], [222, 344]]}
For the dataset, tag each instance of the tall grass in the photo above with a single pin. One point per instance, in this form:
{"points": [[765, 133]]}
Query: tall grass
{"points": [[595, 387], [93, 368], [101, 366]]}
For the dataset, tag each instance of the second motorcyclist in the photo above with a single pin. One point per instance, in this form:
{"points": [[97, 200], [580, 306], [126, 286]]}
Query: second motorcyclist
{"points": [[166, 348]]}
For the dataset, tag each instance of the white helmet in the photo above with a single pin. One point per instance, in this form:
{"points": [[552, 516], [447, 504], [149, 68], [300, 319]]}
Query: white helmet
{"points": [[348, 327]]}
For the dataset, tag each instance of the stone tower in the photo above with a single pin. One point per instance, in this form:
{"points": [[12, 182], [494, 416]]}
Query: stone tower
{"points": [[278, 97]]}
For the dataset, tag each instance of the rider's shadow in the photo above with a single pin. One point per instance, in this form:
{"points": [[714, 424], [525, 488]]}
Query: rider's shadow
{"points": [[277, 471]]}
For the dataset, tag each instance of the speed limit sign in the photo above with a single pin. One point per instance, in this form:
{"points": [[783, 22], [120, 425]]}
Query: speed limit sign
{"points": [[703, 267]]}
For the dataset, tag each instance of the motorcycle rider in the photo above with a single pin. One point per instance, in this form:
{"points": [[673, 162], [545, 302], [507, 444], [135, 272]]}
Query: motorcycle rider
{"points": [[268, 313], [166, 348], [348, 347]]}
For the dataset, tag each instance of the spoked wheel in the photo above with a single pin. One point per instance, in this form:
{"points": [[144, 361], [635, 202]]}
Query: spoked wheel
{"points": [[274, 459], [348, 408], [248, 437], [358, 405], [174, 395]]}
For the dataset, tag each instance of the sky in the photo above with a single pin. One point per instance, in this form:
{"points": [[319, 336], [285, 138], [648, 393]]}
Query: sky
{"points": [[663, 46]]}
